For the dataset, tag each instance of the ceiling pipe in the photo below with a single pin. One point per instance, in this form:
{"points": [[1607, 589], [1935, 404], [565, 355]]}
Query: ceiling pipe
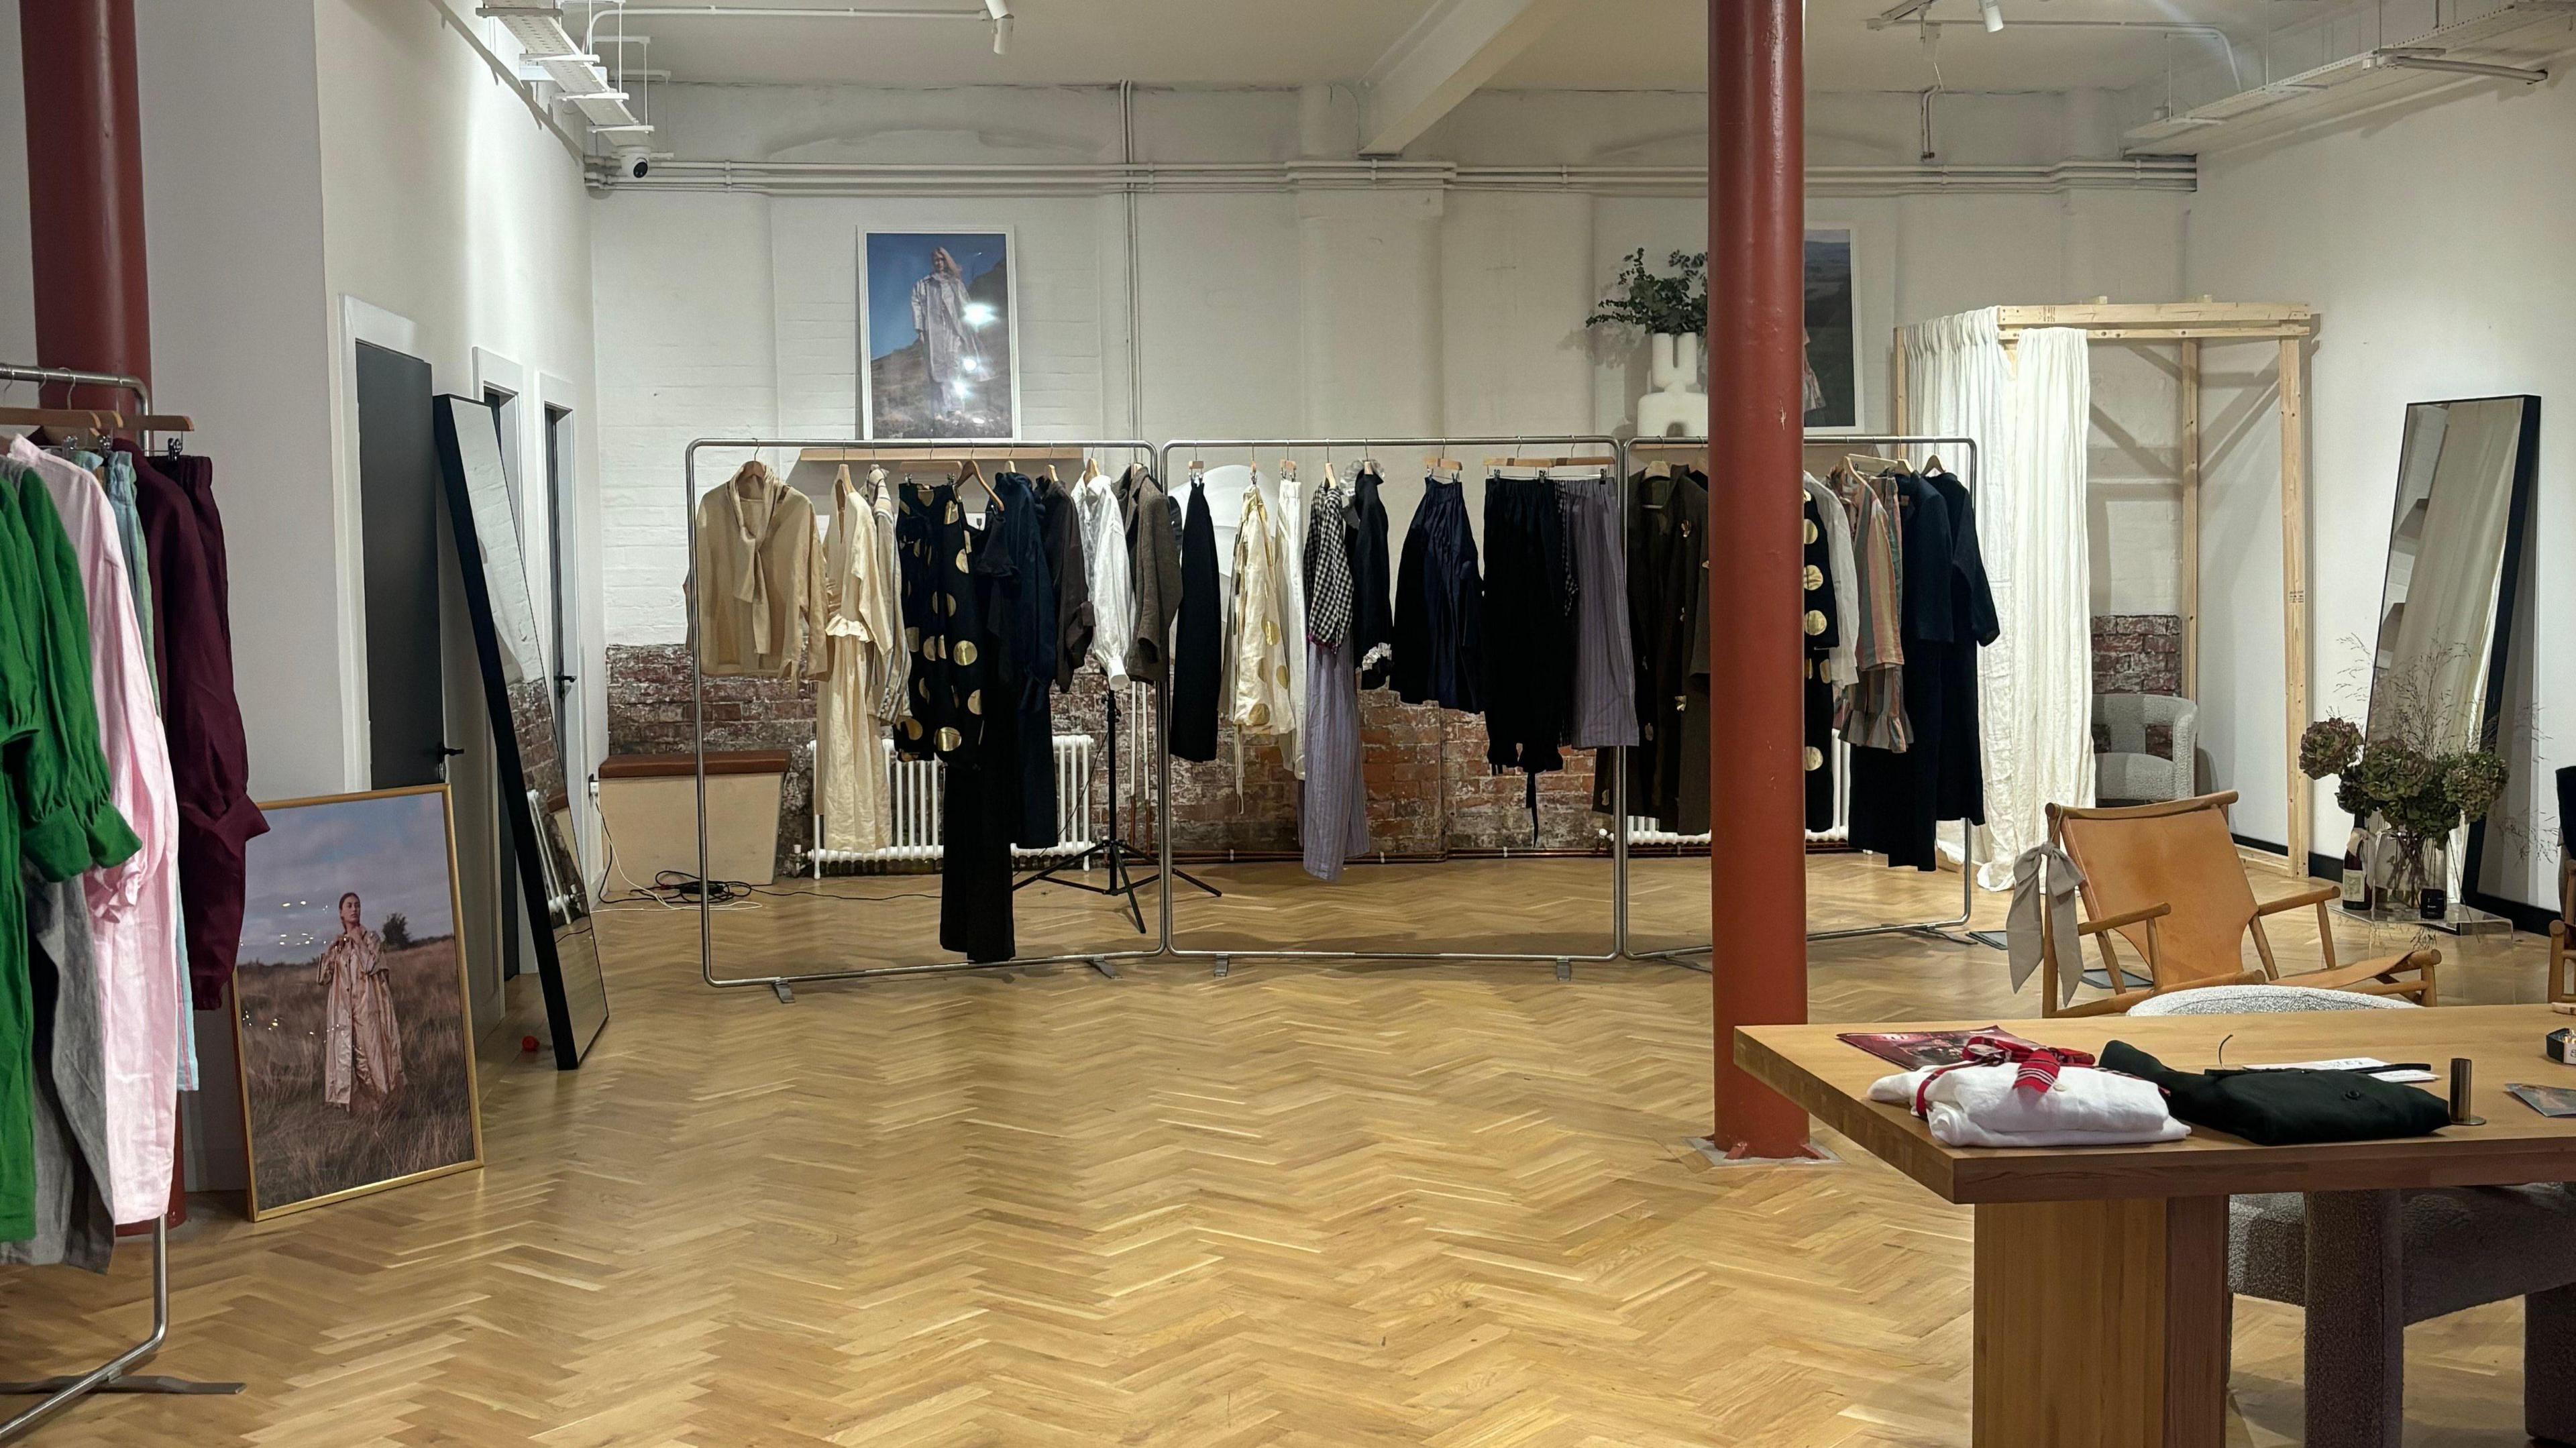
{"points": [[2407, 60], [996, 13], [1904, 15]]}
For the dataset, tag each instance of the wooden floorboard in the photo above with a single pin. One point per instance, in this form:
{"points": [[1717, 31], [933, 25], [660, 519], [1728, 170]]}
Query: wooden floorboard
{"points": [[1307, 1204]]}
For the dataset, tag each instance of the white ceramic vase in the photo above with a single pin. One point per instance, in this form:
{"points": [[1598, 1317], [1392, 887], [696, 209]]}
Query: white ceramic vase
{"points": [[1676, 408]]}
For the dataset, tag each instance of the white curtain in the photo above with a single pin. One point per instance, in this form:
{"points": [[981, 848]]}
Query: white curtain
{"points": [[2030, 422]]}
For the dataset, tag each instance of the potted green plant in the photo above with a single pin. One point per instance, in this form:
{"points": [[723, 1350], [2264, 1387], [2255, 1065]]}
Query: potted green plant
{"points": [[1671, 310]]}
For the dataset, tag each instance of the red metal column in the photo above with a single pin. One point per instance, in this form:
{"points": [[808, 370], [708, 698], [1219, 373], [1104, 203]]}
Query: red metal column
{"points": [[85, 189], [85, 198], [1756, 291]]}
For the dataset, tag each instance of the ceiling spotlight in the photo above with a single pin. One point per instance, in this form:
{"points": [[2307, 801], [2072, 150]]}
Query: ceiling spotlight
{"points": [[1000, 10], [1994, 14]]}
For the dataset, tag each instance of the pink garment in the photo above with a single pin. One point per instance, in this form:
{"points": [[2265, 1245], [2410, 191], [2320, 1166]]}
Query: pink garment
{"points": [[133, 907]]}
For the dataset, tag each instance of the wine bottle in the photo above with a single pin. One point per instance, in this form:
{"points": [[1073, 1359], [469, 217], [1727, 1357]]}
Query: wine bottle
{"points": [[2356, 876]]}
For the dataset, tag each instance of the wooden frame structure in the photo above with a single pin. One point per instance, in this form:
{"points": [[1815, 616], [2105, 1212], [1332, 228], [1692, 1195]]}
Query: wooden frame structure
{"points": [[2188, 325]]}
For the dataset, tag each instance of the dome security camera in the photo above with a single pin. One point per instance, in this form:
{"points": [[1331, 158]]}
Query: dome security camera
{"points": [[633, 162]]}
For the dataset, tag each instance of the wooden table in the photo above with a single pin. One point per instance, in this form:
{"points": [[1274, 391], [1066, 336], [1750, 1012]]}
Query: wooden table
{"points": [[2102, 1307]]}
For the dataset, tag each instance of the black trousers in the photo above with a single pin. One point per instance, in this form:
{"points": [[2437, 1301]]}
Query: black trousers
{"points": [[978, 815], [1037, 828], [1529, 626]]}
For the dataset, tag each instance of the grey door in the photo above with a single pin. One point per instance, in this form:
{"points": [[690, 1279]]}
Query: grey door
{"points": [[400, 505]]}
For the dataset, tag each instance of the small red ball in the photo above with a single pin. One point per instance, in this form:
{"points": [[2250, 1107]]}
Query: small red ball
{"points": [[528, 1043]]}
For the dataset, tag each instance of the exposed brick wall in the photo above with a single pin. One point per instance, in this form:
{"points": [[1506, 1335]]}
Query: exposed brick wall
{"points": [[648, 713], [1429, 787], [2137, 653]]}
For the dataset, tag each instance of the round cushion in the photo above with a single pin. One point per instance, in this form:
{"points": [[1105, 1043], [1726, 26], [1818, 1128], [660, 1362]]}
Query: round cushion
{"points": [[2255, 1000]]}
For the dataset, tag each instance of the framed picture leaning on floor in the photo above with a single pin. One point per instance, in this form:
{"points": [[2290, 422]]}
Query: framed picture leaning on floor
{"points": [[938, 334], [350, 1005]]}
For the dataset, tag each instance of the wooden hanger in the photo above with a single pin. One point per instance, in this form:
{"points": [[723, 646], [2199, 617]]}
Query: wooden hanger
{"points": [[1863, 464], [1090, 468], [69, 419], [1554, 462], [1436, 464], [971, 474]]}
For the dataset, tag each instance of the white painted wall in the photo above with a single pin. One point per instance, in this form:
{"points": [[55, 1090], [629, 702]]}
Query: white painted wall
{"points": [[1327, 312], [2432, 243], [446, 204]]}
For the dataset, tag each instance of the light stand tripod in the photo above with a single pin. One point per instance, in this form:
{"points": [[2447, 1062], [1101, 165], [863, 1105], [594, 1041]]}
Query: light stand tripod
{"points": [[1120, 881]]}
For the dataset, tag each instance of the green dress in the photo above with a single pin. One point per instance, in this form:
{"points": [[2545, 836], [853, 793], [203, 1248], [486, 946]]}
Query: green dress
{"points": [[56, 811]]}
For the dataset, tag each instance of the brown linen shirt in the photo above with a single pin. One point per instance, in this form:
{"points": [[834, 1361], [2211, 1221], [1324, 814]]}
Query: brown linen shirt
{"points": [[759, 576]]}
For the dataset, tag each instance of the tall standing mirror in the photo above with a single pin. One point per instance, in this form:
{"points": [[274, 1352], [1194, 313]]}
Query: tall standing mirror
{"points": [[519, 687], [2446, 613]]}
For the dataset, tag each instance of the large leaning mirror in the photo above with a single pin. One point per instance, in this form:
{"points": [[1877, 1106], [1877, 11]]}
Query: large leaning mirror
{"points": [[2446, 613], [519, 687]]}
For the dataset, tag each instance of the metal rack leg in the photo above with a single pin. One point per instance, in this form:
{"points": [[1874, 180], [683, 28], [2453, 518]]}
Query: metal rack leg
{"points": [[111, 1377]]}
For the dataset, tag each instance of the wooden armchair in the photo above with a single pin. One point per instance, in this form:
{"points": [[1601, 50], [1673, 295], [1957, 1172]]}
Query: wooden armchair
{"points": [[2166, 878], [2562, 980]]}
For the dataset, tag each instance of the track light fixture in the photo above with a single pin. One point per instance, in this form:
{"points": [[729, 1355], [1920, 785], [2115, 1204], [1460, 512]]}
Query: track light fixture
{"points": [[1993, 12], [1000, 10]]}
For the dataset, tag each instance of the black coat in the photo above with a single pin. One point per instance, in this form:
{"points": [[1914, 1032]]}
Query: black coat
{"points": [[1898, 799], [1197, 674], [1372, 582], [1668, 626], [1440, 605]]}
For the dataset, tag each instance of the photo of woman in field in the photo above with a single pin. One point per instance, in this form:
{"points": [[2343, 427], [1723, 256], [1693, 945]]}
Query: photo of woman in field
{"points": [[357, 1053], [363, 1046]]}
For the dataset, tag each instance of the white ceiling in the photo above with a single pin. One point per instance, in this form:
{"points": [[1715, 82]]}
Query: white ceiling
{"points": [[1608, 44]]}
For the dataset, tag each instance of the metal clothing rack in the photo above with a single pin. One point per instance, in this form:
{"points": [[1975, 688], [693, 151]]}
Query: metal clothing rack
{"points": [[60, 1393], [1564, 962], [1943, 929], [981, 449]]}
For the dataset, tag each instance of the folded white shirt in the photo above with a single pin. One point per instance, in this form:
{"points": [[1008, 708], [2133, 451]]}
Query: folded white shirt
{"points": [[1978, 1106]]}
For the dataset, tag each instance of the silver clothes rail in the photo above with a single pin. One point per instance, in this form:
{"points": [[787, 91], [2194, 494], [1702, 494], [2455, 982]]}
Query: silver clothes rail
{"points": [[1563, 960], [111, 1376], [1943, 929], [783, 983]]}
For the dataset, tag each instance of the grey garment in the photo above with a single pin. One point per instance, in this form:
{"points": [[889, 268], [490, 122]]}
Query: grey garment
{"points": [[74, 1224], [2044, 885], [1154, 553], [1333, 818], [1605, 661]]}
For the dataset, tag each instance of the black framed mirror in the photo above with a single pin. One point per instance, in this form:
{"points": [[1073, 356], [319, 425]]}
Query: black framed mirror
{"points": [[518, 687], [2441, 661]]}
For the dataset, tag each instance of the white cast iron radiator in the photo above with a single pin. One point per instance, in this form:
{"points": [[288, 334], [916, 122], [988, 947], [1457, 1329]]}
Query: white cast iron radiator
{"points": [[915, 787]]}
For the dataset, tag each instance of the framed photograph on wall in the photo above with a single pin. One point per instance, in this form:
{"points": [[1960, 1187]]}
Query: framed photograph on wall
{"points": [[350, 1006], [938, 334], [1833, 333]]}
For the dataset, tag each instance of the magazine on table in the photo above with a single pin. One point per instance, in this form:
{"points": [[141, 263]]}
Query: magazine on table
{"points": [[1916, 1050]]}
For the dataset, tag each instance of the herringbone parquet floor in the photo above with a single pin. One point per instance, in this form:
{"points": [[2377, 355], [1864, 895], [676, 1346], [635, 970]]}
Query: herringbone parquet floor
{"points": [[1304, 1205]]}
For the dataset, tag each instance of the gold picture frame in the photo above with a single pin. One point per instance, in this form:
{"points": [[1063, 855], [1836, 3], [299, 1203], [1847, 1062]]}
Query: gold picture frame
{"points": [[248, 1035]]}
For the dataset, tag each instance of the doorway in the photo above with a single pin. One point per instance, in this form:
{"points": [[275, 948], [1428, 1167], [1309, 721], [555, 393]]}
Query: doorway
{"points": [[424, 694]]}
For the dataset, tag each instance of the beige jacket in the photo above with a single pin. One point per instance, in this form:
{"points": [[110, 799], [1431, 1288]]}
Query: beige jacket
{"points": [[863, 639], [759, 578], [1256, 689]]}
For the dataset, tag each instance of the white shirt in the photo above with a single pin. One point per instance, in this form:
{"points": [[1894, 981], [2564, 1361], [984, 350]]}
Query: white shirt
{"points": [[1105, 565]]}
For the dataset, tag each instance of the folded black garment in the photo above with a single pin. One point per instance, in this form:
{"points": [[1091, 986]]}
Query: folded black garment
{"points": [[2287, 1108]]}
